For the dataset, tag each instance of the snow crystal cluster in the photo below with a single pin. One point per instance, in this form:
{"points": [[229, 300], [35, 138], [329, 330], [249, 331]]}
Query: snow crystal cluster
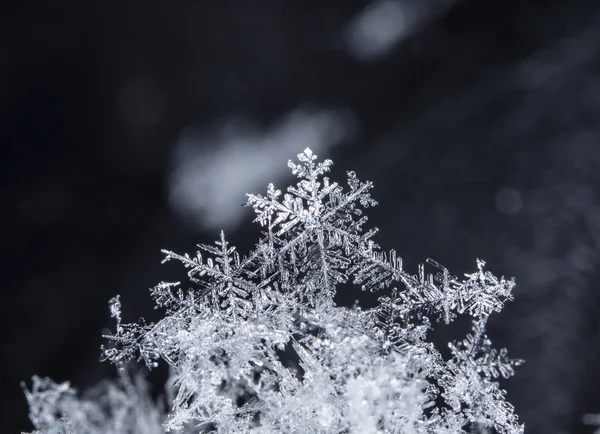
{"points": [[258, 345]]}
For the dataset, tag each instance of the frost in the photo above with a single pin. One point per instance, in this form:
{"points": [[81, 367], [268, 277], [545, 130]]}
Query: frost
{"points": [[110, 408], [257, 343]]}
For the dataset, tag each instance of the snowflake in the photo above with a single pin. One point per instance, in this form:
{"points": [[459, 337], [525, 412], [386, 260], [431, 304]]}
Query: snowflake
{"points": [[257, 343]]}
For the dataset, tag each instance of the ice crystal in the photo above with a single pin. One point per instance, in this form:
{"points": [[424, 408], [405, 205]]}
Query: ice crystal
{"points": [[257, 343], [124, 407]]}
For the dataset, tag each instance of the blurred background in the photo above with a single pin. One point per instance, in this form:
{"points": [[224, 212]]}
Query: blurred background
{"points": [[129, 126]]}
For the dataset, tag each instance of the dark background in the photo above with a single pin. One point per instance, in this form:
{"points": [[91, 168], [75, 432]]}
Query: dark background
{"points": [[129, 126]]}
